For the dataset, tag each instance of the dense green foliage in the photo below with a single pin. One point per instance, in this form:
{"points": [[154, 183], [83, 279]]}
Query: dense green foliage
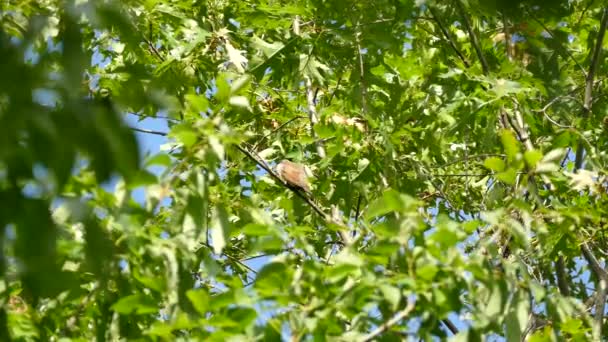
{"points": [[458, 147]]}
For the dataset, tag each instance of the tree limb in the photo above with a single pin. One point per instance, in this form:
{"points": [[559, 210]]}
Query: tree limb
{"points": [[474, 40], [588, 99], [448, 37], [388, 324], [149, 131], [601, 292]]}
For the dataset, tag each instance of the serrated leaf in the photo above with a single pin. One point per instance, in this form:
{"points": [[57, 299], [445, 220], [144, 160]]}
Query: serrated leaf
{"points": [[312, 68], [236, 57], [268, 49]]}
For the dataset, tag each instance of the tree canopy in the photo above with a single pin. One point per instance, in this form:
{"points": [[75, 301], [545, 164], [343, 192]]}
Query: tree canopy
{"points": [[458, 152]]}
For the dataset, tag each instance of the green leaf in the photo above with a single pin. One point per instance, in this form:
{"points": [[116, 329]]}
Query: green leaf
{"points": [[392, 295], [197, 103], [137, 304], [532, 158], [240, 83], [220, 229], [200, 300], [391, 201], [272, 279], [510, 144], [161, 159], [184, 134], [494, 164], [240, 102]]}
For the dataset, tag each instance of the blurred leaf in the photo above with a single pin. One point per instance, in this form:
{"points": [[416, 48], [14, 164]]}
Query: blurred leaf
{"points": [[137, 304], [220, 229]]}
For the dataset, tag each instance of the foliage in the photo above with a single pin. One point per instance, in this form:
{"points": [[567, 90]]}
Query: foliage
{"points": [[458, 149]]}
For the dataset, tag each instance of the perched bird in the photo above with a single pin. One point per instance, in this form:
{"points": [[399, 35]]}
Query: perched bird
{"points": [[294, 174]]}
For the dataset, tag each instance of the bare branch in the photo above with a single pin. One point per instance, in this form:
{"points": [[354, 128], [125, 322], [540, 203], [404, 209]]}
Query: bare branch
{"points": [[601, 291], [149, 131], [159, 117], [451, 327], [593, 262], [562, 277]]}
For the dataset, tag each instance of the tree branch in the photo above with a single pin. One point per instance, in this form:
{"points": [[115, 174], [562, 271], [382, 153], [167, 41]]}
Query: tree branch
{"points": [[601, 292], [563, 283], [448, 37], [267, 168], [149, 131], [451, 327], [388, 324], [587, 102], [474, 40]]}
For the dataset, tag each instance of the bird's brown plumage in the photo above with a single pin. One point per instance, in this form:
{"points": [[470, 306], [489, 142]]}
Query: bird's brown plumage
{"points": [[293, 174]]}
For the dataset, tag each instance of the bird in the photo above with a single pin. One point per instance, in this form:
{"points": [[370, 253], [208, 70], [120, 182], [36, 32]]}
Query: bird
{"points": [[294, 174]]}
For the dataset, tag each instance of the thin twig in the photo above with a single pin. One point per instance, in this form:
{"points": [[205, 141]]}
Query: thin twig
{"points": [[473, 37], [160, 117], [507, 33], [451, 327], [448, 37], [461, 174], [149, 131], [602, 291], [362, 84], [388, 324], [314, 118], [277, 129], [484, 155], [568, 54], [588, 99]]}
